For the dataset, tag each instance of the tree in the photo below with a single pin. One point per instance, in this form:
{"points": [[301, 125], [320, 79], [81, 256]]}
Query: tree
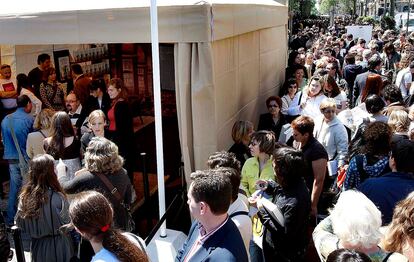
{"points": [[303, 6], [340, 6], [392, 7]]}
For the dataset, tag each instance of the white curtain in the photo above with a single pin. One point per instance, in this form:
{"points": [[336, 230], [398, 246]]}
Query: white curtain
{"points": [[195, 103]]}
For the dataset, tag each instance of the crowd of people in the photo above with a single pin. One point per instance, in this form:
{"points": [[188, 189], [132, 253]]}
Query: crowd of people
{"points": [[329, 171], [60, 143]]}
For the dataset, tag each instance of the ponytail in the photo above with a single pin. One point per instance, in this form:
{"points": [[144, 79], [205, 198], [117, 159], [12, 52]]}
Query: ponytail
{"points": [[122, 247]]}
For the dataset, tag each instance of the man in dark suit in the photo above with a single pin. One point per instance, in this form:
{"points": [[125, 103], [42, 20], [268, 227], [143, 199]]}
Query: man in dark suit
{"points": [[76, 112], [80, 83], [213, 236], [99, 98], [374, 67]]}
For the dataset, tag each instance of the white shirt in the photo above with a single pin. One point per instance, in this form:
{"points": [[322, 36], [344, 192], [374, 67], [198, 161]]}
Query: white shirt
{"points": [[404, 77], [311, 107], [243, 222], [37, 104]]}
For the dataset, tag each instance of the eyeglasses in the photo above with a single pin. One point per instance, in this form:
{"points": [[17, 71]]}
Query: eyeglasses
{"points": [[274, 106], [327, 111]]}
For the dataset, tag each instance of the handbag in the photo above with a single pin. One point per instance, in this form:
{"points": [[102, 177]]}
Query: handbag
{"points": [[130, 224], [23, 165]]}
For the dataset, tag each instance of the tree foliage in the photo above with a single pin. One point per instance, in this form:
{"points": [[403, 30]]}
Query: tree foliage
{"points": [[339, 6]]}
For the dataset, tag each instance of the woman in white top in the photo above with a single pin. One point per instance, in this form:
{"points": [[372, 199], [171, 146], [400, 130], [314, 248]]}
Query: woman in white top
{"points": [[42, 123], [290, 89], [307, 102], [22, 89], [331, 133], [331, 90]]}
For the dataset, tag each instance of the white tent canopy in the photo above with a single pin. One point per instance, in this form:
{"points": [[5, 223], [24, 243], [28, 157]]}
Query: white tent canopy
{"points": [[229, 55], [125, 21]]}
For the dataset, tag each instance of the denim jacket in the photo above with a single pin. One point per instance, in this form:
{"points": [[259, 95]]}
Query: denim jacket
{"points": [[22, 125]]}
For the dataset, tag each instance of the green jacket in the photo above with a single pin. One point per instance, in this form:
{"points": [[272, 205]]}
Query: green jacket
{"points": [[250, 174]]}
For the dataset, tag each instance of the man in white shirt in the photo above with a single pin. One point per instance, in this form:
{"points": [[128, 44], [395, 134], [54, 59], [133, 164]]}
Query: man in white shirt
{"points": [[404, 79], [238, 210], [8, 89], [213, 236]]}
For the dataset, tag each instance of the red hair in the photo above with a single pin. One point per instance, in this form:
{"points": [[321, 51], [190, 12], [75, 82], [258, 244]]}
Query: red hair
{"points": [[373, 85]]}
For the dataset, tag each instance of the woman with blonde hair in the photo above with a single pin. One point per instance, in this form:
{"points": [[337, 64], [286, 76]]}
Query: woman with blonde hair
{"points": [[332, 134], [42, 123], [102, 159], [399, 121], [241, 133], [306, 102], [96, 124], [399, 236]]}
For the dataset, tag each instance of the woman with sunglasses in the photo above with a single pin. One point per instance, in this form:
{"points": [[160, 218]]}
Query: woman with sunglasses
{"points": [[289, 91], [273, 120], [257, 167], [306, 102], [331, 133]]}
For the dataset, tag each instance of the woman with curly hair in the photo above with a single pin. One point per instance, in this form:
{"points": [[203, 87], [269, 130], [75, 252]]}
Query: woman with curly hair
{"points": [[102, 158], [42, 210], [92, 216], [399, 236], [373, 160]]}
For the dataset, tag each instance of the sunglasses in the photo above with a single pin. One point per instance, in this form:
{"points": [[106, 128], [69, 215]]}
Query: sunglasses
{"points": [[327, 111]]}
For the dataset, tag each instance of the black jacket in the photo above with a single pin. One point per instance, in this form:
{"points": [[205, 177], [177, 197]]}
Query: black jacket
{"points": [[241, 151], [288, 242], [266, 123]]}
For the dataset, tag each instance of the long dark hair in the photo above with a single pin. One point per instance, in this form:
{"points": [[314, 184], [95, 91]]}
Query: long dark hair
{"points": [[22, 82], [92, 214], [41, 177], [61, 128], [329, 80]]}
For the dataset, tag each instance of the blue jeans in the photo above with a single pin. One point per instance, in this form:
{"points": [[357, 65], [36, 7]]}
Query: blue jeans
{"points": [[15, 186], [256, 253]]}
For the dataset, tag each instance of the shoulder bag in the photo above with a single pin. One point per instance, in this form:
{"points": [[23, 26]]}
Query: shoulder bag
{"points": [[23, 165], [130, 224]]}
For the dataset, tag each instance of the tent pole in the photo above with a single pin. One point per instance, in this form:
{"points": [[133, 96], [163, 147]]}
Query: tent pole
{"points": [[158, 115]]}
